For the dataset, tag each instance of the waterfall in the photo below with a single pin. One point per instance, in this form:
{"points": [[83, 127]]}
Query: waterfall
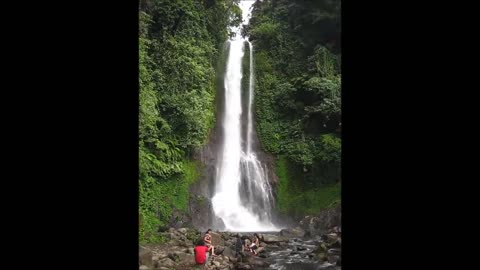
{"points": [[250, 102], [243, 196]]}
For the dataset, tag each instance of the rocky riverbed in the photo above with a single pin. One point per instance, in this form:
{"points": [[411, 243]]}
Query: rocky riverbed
{"points": [[284, 250], [313, 244]]}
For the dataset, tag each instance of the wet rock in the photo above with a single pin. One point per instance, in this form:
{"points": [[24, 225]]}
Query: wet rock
{"points": [[336, 244], [326, 266], [293, 232], [273, 247], [243, 266], [334, 251], [274, 239], [333, 258], [261, 263]]}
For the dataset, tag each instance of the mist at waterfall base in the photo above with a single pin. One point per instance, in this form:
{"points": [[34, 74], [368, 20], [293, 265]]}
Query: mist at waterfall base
{"points": [[243, 197]]}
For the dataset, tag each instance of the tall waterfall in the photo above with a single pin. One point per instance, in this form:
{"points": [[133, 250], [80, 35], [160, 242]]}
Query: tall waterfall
{"points": [[243, 196]]}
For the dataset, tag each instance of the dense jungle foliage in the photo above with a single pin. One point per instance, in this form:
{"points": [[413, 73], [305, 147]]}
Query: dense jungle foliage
{"points": [[298, 97], [179, 43]]}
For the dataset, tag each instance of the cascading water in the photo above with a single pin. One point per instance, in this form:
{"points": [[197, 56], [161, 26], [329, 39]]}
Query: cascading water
{"points": [[249, 208]]}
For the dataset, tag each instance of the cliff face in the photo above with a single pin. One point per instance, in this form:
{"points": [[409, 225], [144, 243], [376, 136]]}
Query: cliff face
{"points": [[201, 192], [323, 222]]}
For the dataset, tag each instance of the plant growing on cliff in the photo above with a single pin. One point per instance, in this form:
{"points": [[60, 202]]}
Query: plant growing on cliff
{"points": [[179, 43], [298, 97]]}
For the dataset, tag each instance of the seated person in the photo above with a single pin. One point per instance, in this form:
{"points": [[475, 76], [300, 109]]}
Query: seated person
{"points": [[247, 246], [255, 244], [201, 253], [208, 240]]}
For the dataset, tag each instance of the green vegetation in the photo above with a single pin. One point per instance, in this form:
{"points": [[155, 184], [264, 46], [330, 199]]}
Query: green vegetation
{"points": [[299, 197], [179, 45], [298, 105]]}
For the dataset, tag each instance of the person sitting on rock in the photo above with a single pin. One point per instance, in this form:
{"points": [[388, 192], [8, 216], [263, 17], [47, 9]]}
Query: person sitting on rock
{"points": [[255, 244], [201, 253], [247, 245], [208, 240]]}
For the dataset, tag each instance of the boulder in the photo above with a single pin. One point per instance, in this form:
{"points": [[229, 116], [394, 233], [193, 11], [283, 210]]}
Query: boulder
{"points": [[328, 220], [274, 239], [145, 257], [332, 237], [217, 239], [181, 257], [334, 251], [228, 252], [243, 266], [336, 244], [167, 262], [322, 257], [293, 232], [321, 248], [219, 250], [260, 262]]}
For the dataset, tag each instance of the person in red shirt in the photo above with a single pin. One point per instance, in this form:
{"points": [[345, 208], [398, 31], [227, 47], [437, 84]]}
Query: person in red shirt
{"points": [[201, 253]]}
